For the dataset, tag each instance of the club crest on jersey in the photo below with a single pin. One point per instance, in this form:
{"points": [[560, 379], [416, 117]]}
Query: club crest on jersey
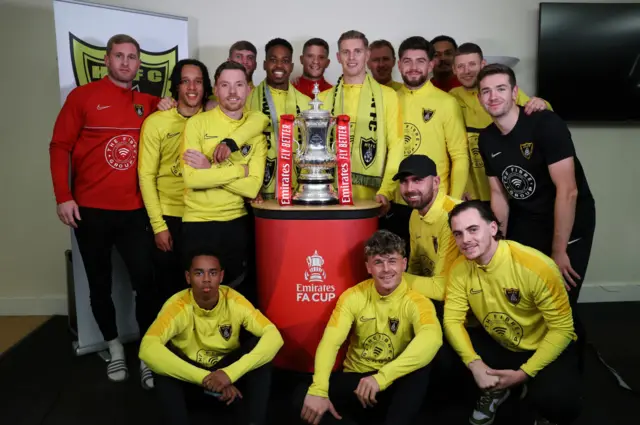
{"points": [[245, 150], [513, 295], [427, 114], [139, 109], [269, 169], [527, 149], [225, 331], [393, 324], [87, 61], [435, 243], [368, 148]]}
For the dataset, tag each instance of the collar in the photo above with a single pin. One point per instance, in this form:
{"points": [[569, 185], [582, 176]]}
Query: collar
{"points": [[198, 311], [397, 293], [110, 85], [217, 111], [499, 258], [436, 208], [426, 88], [306, 80]]}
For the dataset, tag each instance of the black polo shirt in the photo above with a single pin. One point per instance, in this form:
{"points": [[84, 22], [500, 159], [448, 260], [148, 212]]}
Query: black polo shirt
{"points": [[521, 160]]}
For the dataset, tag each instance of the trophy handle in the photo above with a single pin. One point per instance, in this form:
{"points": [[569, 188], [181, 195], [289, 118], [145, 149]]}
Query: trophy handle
{"points": [[332, 126]]}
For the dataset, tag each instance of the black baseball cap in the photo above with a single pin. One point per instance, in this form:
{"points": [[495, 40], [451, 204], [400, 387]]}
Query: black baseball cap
{"points": [[416, 165]]}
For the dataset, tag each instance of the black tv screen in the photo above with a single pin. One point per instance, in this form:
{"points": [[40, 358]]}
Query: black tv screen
{"points": [[589, 60]]}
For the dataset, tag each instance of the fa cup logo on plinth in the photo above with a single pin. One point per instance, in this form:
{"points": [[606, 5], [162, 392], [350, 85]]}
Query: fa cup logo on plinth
{"points": [[315, 273]]}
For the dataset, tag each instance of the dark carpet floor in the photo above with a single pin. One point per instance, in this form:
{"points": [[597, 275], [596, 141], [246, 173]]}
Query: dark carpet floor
{"points": [[42, 382]]}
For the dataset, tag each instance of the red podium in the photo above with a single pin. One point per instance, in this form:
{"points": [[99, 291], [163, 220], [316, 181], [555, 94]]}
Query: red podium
{"points": [[307, 256]]}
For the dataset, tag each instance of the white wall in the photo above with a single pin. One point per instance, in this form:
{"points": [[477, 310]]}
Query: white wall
{"points": [[32, 273]]}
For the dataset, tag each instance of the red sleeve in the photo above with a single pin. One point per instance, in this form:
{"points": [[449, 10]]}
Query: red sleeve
{"points": [[65, 134]]}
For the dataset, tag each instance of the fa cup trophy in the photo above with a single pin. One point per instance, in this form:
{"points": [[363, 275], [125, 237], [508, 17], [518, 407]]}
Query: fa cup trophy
{"points": [[315, 159]]}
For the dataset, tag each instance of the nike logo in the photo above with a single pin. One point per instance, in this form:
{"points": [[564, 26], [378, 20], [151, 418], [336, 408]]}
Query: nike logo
{"points": [[475, 291], [206, 136], [573, 241], [170, 135], [493, 155], [366, 319], [100, 107]]}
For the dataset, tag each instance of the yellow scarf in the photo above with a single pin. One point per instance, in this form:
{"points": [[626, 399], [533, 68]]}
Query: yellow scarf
{"points": [[368, 143], [259, 102]]}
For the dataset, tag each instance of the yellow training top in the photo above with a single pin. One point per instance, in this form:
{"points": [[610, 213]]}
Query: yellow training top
{"points": [[393, 335], [434, 126], [159, 166], [433, 248], [204, 337], [218, 193], [520, 300]]}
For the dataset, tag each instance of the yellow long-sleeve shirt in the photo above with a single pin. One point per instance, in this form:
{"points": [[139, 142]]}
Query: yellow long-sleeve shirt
{"points": [[393, 134], [218, 193], [394, 335], [433, 248], [520, 300], [477, 119], [254, 103], [396, 85], [206, 336], [159, 166], [434, 126]]}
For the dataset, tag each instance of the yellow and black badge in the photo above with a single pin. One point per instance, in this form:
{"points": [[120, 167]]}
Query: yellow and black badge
{"points": [[427, 114], [152, 77], [513, 295], [527, 149], [393, 324], [225, 331], [139, 109]]}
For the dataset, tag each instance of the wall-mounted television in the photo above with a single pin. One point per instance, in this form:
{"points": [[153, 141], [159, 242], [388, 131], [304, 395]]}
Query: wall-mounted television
{"points": [[588, 64]]}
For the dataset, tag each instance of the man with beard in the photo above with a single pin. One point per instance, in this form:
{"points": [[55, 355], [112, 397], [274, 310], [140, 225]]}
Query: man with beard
{"points": [[396, 335], [433, 248], [375, 122], [315, 61], [443, 76], [382, 58], [527, 338], [215, 215], [433, 126], [275, 97], [468, 61], [194, 348], [539, 191], [159, 170], [98, 127]]}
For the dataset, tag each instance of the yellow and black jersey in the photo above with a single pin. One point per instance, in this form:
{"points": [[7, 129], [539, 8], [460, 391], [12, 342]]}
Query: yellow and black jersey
{"points": [[520, 300], [434, 126], [433, 248], [393, 335], [218, 193], [205, 337]]}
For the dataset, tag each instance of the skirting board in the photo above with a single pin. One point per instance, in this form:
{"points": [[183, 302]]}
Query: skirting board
{"points": [[57, 304]]}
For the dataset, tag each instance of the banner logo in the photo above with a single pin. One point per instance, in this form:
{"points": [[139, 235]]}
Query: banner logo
{"points": [[315, 273], [87, 61]]}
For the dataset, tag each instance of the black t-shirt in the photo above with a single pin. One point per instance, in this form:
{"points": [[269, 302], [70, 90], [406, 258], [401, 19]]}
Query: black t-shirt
{"points": [[521, 160]]}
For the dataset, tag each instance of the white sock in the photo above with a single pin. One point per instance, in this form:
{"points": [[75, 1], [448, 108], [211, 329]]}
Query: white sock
{"points": [[119, 370], [146, 377]]}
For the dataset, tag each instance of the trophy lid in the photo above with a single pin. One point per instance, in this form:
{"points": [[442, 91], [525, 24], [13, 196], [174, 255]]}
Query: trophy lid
{"points": [[315, 111]]}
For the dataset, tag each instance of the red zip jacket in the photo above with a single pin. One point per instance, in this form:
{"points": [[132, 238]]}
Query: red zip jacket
{"points": [[305, 86], [99, 125]]}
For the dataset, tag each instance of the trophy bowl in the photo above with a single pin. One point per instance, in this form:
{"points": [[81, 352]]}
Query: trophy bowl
{"points": [[314, 158]]}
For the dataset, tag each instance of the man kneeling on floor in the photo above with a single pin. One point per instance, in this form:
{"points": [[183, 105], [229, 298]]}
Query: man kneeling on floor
{"points": [[396, 335], [194, 348], [517, 294]]}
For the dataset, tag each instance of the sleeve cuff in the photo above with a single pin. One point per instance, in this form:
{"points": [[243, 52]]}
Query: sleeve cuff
{"points": [[231, 144], [382, 382], [318, 392]]}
